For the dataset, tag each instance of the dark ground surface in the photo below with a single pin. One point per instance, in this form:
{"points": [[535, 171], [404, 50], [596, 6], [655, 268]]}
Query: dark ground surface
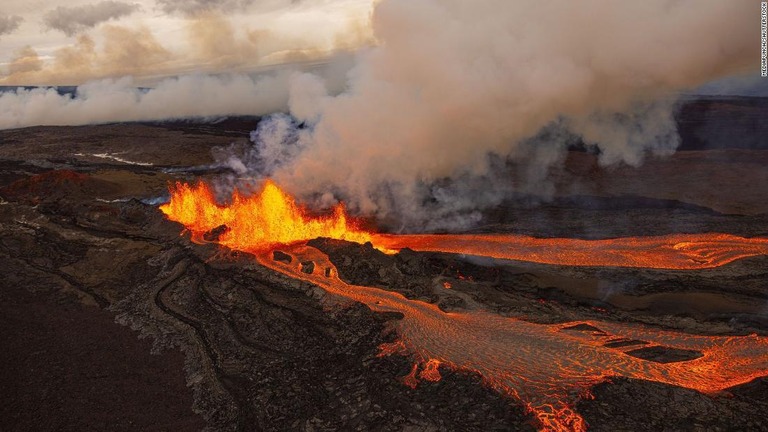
{"points": [[57, 357], [87, 267]]}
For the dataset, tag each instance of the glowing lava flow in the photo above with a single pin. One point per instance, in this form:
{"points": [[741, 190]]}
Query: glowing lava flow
{"points": [[272, 217], [547, 368], [675, 251]]}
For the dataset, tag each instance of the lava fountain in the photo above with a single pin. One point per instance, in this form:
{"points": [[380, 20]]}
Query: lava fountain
{"points": [[257, 222], [272, 217], [547, 368]]}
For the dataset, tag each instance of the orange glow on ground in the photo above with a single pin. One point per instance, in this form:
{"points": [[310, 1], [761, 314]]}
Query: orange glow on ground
{"points": [[545, 367]]}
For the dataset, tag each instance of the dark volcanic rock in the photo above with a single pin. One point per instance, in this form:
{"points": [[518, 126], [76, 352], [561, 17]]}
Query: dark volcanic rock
{"points": [[80, 249], [658, 407], [261, 352], [68, 367], [583, 327], [660, 354], [282, 257], [52, 186], [308, 267], [216, 233], [357, 264]]}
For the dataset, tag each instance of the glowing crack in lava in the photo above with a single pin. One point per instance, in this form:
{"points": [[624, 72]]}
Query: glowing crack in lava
{"points": [[547, 368]]}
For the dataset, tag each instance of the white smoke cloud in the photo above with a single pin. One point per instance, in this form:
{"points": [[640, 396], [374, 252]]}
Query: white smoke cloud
{"points": [[191, 96], [75, 19], [120, 100], [458, 92], [458, 105]]}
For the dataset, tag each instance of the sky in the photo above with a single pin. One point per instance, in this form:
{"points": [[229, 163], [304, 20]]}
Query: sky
{"points": [[64, 42]]}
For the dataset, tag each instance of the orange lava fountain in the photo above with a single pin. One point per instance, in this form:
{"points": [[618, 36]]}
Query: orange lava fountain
{"points": [[547, 368], [272, 217], [258, 222]]}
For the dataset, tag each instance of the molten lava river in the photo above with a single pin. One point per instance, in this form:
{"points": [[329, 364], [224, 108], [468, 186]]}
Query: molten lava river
{"points": [[545, 367]]}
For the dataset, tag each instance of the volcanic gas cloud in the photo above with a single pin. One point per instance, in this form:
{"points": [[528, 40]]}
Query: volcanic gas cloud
{"points": [[544, 367], [420, 125], [456, 91]]}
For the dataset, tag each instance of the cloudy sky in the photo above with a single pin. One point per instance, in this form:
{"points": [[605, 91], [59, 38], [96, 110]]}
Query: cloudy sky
{"points": [[69, 42]]}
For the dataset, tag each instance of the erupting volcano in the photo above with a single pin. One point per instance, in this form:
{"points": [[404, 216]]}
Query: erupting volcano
{"points": [[547, 368], [257, 222], [386, 215], [272, 217]]}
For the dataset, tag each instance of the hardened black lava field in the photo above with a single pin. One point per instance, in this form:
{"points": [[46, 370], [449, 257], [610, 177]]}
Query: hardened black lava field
{"points": [[114, 319]]}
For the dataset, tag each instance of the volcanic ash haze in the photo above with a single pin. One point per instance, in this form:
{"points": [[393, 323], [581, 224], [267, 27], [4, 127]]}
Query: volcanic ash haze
{"points": [[455, 89]]}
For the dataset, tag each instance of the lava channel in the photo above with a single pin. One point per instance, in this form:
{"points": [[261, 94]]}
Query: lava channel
{"points": [[673, 252], [547, 368]]}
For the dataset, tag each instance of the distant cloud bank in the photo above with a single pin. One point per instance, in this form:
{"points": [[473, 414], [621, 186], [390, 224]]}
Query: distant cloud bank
{"points": [[9, 23], [76, 19]]}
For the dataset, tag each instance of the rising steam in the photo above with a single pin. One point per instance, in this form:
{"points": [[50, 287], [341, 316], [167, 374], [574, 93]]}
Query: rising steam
{"points": [[120, 100], [189, 96], [458, 103], [458, 91]]}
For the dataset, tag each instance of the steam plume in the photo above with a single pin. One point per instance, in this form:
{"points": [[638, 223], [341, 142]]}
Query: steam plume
{"points": [[73, 20], [457, 92], [120, 100], [458, 104]]}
